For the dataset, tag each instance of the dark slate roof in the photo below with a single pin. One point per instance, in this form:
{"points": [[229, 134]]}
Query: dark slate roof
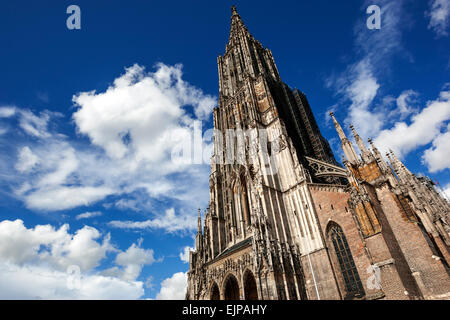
{"points": [[234, 248]]}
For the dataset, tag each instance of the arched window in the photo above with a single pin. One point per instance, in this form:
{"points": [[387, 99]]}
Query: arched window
{"points": [[353, 285]]}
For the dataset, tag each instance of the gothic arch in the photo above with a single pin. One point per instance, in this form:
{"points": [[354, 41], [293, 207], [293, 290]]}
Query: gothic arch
{"points": [[348, 275], [214, 292], [249, 285], [231, 290]]}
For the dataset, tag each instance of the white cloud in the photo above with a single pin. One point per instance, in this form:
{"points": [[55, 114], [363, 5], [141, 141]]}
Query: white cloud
{"points": [[169, 221], [55, 247], [402, 126], [361, 91], [135, 117], [6, 112], [359, 83], [133, 260], [37, 282], [149, 282], [34, 125], [439, 15], [26, 160], [423, 129], [88, 215], [446, 191], [62, 197], [184, 255], [128, 155], [173, 288], [437, 157], [405, 102], [34, 264]]}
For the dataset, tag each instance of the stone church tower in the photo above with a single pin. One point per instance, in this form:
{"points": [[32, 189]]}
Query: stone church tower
{"points": [[286, 221]]}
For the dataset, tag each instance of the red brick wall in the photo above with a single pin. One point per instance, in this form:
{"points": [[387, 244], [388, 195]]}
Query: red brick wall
{"points": [[331, 206]]}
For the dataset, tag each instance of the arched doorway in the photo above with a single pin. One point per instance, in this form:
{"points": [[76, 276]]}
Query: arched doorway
{"points": [[250, 290], [215, 294], [349, 273], [231, 291]]}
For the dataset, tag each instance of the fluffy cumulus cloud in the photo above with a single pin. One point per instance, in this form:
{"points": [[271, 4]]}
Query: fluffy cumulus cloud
{"points": [[425, 127], [55, 247], [131, 262], [439, 15], [35, 264], [138, 114], [173, 288], [36, 282], [133, 128]]}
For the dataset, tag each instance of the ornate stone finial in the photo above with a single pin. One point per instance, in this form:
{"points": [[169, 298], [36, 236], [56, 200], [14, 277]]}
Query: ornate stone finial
{"points": [[338, 127], [233, 10], [391, 157], [374, 148]]}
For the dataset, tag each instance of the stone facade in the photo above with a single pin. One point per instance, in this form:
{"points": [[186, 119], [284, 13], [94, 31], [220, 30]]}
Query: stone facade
{"points": [[286, 221]]}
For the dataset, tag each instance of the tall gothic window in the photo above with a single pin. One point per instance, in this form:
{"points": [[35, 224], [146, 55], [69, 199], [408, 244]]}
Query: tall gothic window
{"points": [[244, 201], [349, 272]]}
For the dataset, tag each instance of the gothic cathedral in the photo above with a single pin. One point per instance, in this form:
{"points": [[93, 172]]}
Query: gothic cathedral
{"points": [[287, 221]]}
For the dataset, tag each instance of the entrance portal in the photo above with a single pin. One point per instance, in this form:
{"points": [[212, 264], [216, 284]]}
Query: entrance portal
{"points": [[215, 294], [231, 289], [250, 290]]}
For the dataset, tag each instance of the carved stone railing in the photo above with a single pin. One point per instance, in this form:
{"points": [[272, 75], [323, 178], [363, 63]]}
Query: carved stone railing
{"points": [[324, 169]]}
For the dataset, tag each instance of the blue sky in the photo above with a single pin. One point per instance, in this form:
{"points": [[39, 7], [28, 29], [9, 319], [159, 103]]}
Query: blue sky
{"points": [[88, 119]]}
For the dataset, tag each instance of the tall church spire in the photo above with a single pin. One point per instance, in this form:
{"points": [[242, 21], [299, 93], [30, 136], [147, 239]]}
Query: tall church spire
{"points": [[360, 143], [237, 27], [234, 12], [244, 56], [347, 146]]}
